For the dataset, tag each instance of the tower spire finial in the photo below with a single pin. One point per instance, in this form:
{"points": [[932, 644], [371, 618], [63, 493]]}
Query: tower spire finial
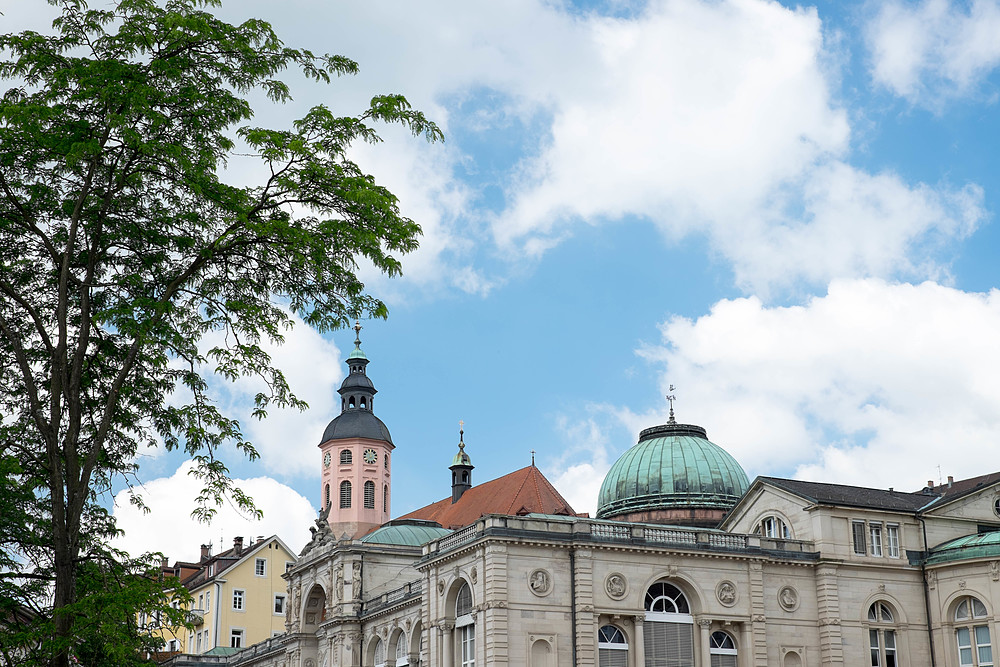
{"points": [[670, 399], [461, 435], [357, 333]]}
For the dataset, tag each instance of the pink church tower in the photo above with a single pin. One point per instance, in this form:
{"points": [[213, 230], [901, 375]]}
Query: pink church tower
{"points": [[355, 453]]}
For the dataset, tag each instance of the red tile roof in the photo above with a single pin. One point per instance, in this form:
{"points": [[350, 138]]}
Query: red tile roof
{"points": [[523, 491]]}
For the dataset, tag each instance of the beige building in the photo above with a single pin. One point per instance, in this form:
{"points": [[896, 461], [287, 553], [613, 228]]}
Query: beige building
{"points": [[239, 597], [687, 563]]}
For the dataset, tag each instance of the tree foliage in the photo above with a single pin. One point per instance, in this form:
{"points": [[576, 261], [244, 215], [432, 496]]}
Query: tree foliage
{"points": [[123, 245]]}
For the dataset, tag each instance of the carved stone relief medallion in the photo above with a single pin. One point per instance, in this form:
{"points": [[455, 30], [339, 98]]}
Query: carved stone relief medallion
{"points": [[726, 593], [788, 598], [540, 582], [616, 586]]}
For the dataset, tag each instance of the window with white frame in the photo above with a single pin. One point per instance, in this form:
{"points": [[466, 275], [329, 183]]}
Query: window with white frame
{"points": [[972, 633], [208, 600], [289, 565], [892, 540], [875, 532], [402, 655], [279, 604], [882, 635], [668, 631], [239, 599], [236, 637], [197, 645], [379, 653], [260, 567], [858, 535], [612, 647], [722, 650], [201, 601], [465, 627], [773, 527]]}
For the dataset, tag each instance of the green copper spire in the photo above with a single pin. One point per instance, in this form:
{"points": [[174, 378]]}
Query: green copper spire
{"points": [[357, 353]]}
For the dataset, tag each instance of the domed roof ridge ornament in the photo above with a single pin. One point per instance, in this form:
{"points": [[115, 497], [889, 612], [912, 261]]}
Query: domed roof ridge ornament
{"points": [[670, 399]]}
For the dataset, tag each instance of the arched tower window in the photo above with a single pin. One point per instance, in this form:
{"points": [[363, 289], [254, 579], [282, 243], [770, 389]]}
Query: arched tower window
{"points": [[385, 498], [465, 628], [326, 497], [722, 650], [668, 632], [379, 653], [612, 647], [363, 403], [350, 402], [972, 633], [369, 495], [345, 494], [345, 457]]}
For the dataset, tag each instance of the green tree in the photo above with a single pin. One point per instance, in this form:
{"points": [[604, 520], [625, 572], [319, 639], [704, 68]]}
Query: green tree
{"points": [[122, 245]]}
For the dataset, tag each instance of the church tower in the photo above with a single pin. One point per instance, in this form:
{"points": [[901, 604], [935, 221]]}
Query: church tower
{"points": [[356, 453]]}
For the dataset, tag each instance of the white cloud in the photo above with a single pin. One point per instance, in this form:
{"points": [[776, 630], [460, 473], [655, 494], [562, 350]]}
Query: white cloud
{"points": [[287, 439], [936, 49], [169, 528], [874, 383], [578, 478]]}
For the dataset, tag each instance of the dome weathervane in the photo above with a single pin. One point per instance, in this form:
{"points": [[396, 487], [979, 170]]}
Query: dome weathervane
{"points": [[670, 399]]}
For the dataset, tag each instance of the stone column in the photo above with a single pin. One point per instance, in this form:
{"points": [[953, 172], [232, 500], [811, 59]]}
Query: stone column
{"points": [[704, 634], [746, 646], [447, 644], [639, 647]]}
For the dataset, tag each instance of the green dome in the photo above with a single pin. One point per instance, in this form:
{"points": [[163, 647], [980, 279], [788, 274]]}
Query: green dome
{"points": [[985, 545], [407, 532], [673, 466]]}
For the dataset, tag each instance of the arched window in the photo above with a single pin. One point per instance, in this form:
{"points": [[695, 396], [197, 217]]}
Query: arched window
{"points": [[369, 495], [773, 527], [345, 457], [668, 633], [345, 494], [882, 635], [612, 647], [972, 633], [465, 627], [402, 655], [385, 458], [326, 497], [722, 650], [379, 653], [350, 402], [385, 498], [362, 402]]}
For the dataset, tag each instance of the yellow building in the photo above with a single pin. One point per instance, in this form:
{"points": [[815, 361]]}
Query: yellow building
{"points": [[238, 597]]}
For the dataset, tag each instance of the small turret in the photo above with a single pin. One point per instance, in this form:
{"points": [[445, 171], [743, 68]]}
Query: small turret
{"points": [[461, 468]]}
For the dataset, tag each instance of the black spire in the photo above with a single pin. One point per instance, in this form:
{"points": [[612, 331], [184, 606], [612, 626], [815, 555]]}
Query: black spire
{"points": [[461, 468]]}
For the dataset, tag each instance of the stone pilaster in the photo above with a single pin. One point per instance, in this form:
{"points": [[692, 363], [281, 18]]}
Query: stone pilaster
{"points": [[831, 643], [494, 610], [586, 623], [758, 616]]}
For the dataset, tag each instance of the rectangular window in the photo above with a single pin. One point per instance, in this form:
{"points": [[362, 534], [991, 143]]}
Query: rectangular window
{"points": [[467, 640], [198, 644], [260, 567], [288, 565], [890, 648], [875, 530], [279, 604], [875, 648], [964, 638], [208, 600], [238, 596], [892, 540], [201, 601], [236, 638], [858, 529], [984, 650]]}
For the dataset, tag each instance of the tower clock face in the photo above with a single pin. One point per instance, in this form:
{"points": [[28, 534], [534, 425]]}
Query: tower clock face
{"points": [[326, 460], [370, 456]]}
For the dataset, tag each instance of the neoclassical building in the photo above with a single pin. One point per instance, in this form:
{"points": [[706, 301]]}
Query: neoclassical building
{"points": [[687, 563]]}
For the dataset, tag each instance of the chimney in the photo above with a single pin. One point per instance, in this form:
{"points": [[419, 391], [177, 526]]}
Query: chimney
{"points": [[260, 539], [951, 480], [164, 563], [930, 484], [206, 552], [238, 545]]}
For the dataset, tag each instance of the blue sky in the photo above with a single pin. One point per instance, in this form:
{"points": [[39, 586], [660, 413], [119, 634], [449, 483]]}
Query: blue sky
{"points": [[787, 211]]}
